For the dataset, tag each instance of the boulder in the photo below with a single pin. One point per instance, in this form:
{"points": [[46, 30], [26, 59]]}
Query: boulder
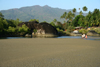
{"points": [[92, 33], [42, 28]]}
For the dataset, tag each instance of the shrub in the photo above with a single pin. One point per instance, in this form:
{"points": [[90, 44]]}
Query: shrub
{"points": [[35, 30], [83, 31], [70, 28], [11, 29], [61, 32], [97, 30], [24, 28]]}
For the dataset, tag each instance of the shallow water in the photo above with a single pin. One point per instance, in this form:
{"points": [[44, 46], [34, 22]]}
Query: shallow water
{"points": [[13, 37], [77, 37]]}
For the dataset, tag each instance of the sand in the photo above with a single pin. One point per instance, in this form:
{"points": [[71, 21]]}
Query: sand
{"points": [[49, 52]]}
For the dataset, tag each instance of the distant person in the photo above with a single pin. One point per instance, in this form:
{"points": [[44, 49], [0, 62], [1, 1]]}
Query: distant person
{"points": [[86, 36], [83, 36]]}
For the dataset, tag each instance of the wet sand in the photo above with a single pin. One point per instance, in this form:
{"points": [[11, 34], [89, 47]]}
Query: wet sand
{"points": [[49, 52]]}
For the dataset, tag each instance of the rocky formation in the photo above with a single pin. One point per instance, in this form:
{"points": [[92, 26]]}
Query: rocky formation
{"points": [[92, 33], [42, 29]]}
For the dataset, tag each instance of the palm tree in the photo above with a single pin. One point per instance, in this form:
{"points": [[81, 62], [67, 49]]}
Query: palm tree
{"points": [[92, 21], [89, 12], [68, 16], [96, 11], [74, 10], [96, 16], [81, 13], [88, 18], [79, 8], [55, 21], [84, 8], [81, 21], [64, 15], [99, 18], [86, 23]]}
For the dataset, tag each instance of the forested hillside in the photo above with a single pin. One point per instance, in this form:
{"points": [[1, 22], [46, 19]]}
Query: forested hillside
{"points": [[9, 27], [44, 13]]}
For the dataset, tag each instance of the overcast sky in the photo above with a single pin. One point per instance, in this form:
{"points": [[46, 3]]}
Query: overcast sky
{"points": [[63, 4]]}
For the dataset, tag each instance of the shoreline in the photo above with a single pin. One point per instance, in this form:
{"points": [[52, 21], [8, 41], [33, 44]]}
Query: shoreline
{"points": [[72, 37]]}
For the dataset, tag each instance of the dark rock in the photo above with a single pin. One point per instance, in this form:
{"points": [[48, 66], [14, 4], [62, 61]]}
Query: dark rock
{"points": [[92, 33], [31, 25], [47, 28]]}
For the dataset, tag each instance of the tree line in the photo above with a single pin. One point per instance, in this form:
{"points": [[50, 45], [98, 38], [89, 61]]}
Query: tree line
{"points": [[92, 19], [10, 27]]}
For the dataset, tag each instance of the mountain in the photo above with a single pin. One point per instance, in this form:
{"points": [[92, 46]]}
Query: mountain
{"points": [[42, 13]]}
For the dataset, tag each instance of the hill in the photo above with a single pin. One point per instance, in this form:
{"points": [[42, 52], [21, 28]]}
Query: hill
{"points": [[42, 13]]}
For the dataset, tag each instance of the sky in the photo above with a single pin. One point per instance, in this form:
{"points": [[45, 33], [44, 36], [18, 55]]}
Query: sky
{"points": [[63, 4]]}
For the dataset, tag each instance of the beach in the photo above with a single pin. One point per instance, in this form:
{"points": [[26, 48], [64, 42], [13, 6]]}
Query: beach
{"points": [[49, 52]]}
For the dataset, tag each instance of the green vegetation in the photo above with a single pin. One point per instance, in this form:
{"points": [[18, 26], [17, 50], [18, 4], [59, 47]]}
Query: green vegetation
{"points": [[10, 27], [43, 13], [83, 31], [24, 28], [92, 19], [34, 30], [96, 30], [34, 20], [70, 28]]}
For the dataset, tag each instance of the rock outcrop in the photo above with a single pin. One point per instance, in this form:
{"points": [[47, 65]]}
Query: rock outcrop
{"points": [[42, 29], [92, 33]]}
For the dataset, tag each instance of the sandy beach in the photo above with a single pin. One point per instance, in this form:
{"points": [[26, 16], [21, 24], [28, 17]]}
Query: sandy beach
{"points": [[49, 52]]}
